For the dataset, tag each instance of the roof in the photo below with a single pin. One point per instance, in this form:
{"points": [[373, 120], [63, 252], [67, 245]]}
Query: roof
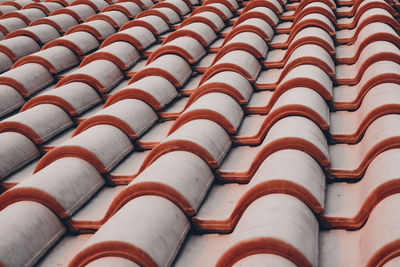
{"points": [[199, 133]]}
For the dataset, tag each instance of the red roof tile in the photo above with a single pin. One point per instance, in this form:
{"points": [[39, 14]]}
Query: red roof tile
{"points": [[186, 133]]}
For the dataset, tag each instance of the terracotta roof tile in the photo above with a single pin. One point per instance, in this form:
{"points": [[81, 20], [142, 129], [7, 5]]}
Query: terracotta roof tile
{"points": [[21, 217], [74, 98], [39, 123], [167, 132], [61, 22], [80, 42], [27, 79], [27, 15], [42, 33], [46, 7]]}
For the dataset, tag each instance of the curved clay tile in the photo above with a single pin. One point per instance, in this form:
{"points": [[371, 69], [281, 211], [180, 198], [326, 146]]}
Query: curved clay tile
{"points": [[20, 218], [42, 33], [380, 181], [231, 4], [283, 41], [103, 146], [4, 9], [172, 67], [274, 5], [55, 187], [349, 54], [203, 138], [197, 30], [314, 20], [130, 9], [5, 64], [186, 47], [277, 58], [27, 15], [217, 107], [381, 135], [247, 41], [39, 123], [304, 3], [16, 151], [97, 5], [80, 43], [298, 101], [79, 12], [305, 54], [373, 53], [375, 240], [11, 24], [100, 29], [46, 7], [360, 6], [62, 22], [192, 2], [316, 7], [239, 61], [18, 4], [143, 4], [131, 116], [292, 233], [122, 54], [10, 99], [315, 79], [137, 227], [368, 16], [18, 47], [227, 82], [156, 91], [100, 74], [179, 6], [351, 161], [350, 36], [56, 59], [355, 2], [65, 3], [179, 176], [166, 13], [263, 13], [210, 18], [155, 24], [115, 18], [292, 132], [350, 97], [349, 127], [220, 9], [140, 37], [226, 203], [27, 79], [74, 98], [255, 25]]}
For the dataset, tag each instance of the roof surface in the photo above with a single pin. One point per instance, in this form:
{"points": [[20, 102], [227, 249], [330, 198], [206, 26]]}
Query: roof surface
{"points": [[190, 133]]}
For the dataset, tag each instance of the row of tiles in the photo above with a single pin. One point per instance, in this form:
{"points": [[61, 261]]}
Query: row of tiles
{"points": [[345, 98], [201, 127], [117, 145], [252, 133], [102, 168]]}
